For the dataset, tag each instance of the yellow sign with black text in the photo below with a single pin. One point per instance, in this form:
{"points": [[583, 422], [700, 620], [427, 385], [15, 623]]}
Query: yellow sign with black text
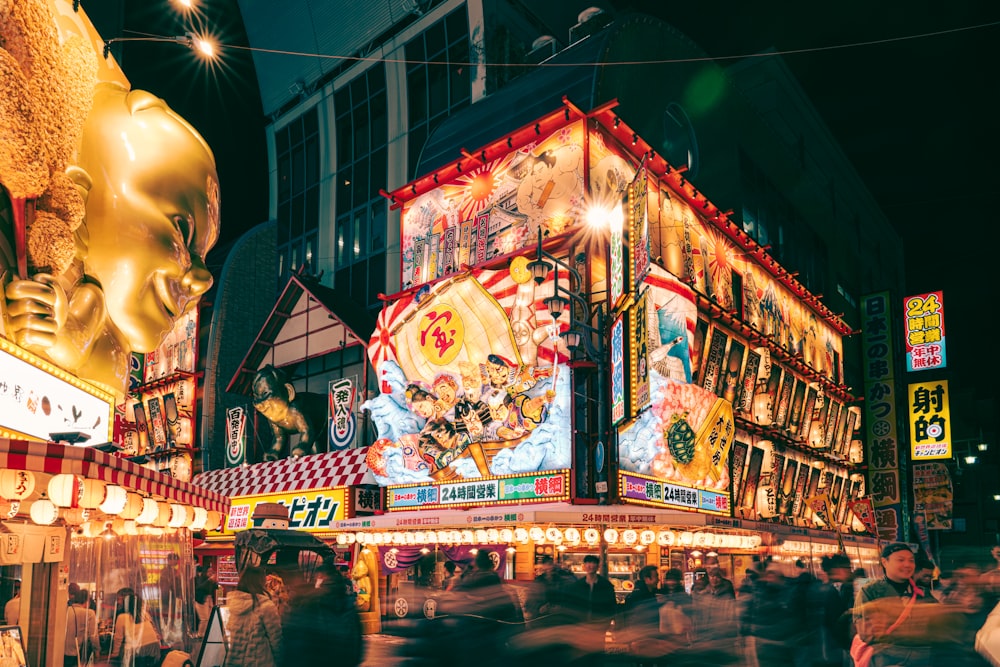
{"points": [[313, 511], [930, 421]]}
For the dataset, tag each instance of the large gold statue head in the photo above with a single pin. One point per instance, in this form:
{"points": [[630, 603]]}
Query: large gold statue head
{"points": [[152, 212]]}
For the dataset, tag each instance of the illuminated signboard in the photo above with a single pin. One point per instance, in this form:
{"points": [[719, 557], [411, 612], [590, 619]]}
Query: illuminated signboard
{"points": [[38, 399], [880, 415], [923, 328], [543, 487], [618, 369], [644, 490], [930, 421], [312, 511]]}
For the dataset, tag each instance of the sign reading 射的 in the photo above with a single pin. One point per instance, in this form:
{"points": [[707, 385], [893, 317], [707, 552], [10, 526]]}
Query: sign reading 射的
{"points": [[930, 427], [650, 491], [541, 487], [37, 399], [923, 328], [312, 511]]}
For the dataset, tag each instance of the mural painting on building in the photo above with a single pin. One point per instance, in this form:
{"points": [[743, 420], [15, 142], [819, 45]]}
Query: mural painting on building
{"points": [[701, 255], [472, 380]]}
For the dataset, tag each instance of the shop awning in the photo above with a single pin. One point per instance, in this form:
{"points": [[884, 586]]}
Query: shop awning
{"points": [[316, 471], [53, 459], [308, 320]]}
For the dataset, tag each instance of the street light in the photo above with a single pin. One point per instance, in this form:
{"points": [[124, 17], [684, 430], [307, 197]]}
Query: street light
{"points": [[200, 45], [582, 333]]}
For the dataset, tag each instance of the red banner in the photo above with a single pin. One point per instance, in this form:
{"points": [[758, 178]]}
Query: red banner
{"points": [[863, 509]]}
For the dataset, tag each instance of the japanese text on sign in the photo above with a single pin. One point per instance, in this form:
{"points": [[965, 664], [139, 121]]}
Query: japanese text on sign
{"points": [[923, 328], [930, 428]]}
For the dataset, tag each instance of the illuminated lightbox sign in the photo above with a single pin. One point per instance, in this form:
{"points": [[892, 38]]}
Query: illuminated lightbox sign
{"points": [[494, 491], [656, 493], [923, 329], [930, 421], [311, 511], [37, 399]]}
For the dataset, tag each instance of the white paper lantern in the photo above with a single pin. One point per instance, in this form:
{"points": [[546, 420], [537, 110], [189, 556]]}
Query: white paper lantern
{"points": [[591, 536], [572, 535], [611, 536], [114, 500], [133, 506], [75, 516], [150, 512], [16, 484], [64, 490], [178, 516], [647, 537], [92, 493], [213, 521], [131, 528], [44, 512], [162, 515], [630, 537], [198, 517]]}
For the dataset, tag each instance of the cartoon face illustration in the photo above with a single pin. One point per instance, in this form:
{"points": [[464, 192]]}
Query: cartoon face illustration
{"points": [[422, 402], [498, 371]]}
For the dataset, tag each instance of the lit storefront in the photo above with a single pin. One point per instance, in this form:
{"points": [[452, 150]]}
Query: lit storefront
{"points": [[679, 412]]}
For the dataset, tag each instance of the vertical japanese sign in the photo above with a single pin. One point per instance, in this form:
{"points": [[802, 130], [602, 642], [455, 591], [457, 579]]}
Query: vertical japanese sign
{"points": [[923, 327], [618, 370], [343, 421], [880, 416], [638, 227], [862, 508], [617, 262], [930, 427], [639, 355], [236, 436]]}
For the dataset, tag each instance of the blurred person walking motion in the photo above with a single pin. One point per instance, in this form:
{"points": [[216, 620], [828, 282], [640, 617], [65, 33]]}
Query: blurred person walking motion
{"points": [[135, 642], [546, 600], [827, 641], [592, 599], [82, 640], [323, 625], [885, 615], [254, 624], [773, 616], [715, 613]]}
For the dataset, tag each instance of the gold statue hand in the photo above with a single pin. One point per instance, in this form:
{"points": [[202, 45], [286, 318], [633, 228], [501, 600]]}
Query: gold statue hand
{"points": [[37, 310]]}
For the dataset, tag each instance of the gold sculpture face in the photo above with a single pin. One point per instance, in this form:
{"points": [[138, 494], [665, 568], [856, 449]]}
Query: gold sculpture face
{"points": [[152, 212]]}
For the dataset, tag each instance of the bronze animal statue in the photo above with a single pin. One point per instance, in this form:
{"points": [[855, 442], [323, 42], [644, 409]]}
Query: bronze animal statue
{"points": [[290, 413]]}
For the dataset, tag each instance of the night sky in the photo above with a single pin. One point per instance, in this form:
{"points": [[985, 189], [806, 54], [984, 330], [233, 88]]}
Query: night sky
{"points": [[908, 89]]}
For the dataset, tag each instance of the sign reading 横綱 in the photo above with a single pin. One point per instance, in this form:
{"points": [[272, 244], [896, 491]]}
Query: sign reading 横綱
{"points": [[880, 415], [656, 493], [930, 428], [923, 328]]}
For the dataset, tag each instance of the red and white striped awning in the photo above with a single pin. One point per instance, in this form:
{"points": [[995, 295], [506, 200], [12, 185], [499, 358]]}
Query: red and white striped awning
{"points": [[316, 471], [53, 459]]}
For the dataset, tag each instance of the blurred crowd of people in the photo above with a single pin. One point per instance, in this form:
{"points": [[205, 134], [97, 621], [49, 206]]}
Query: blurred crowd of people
{"points": [[781, 615]]}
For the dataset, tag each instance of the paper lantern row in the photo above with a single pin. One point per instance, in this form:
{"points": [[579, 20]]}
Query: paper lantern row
{"points": [[73, 497]]}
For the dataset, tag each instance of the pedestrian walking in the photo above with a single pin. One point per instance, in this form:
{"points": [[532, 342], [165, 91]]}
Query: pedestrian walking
{"points": [[254, 624]]}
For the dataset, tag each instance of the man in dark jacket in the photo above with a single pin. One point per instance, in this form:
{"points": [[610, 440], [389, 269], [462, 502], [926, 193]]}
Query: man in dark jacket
{"points": [[642, 607], [322, 625], [593, 596]]}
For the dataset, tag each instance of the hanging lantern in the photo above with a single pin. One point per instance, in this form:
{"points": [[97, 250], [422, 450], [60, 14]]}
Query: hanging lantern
{"points": [[553, 535], [536, 533], [118, 526], [481, 536], [611, 536], [630, 537], [65, 489], [131, 528], [666, 538], [114, 499], [572, 535], [16, 484], [199, 515], [213, 521], [592, 536], [162, 515], [92, 493], [647, 537], [74, 516], [150, 512], [178, 516], [9, 509], [133, 506], [44, 512], [521, 535]]}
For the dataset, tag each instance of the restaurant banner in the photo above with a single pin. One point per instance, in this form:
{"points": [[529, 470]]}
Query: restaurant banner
{"points": [[933, 495], [863, 510], [236, 436], [884, 460], [343, 421]]}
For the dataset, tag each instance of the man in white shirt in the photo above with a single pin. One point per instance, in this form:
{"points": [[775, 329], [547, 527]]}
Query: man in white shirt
{"points": [[12, 610]]}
